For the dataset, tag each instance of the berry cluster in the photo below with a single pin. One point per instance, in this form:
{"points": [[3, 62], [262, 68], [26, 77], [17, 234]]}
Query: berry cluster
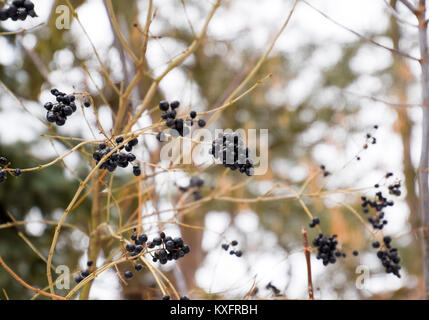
{"points": [[233, 243], [179, 126], [379, 203], [85, 273], [195, 184], [389, 257], [325, 172], [135, 249], [394, 189], [327, 249], [59, 111], [370, 139], [117, 159], [231, 150], [19, 9], [167, 248], [314, 222], [3, 173]]}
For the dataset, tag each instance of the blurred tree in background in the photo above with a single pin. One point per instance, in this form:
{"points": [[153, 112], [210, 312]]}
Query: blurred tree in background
{"points": [[213, 73]]}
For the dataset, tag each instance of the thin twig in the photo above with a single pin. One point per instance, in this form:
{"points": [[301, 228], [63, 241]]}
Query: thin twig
{"points": [[14, 275], [410, 6], [307, 251]]}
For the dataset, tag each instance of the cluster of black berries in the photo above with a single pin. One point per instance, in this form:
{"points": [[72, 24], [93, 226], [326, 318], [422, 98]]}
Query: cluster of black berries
{"points": [[389, 257], [370, 139], [195, 183], [179, 126], [85, 273], [314, 222], [377, 222], [167, 248], [19, 9], [233, 243], [135, 249], [325, 172], [117, 159], [394, 189], [59, 111], [3, 173], [231, 150], [327, 249]]}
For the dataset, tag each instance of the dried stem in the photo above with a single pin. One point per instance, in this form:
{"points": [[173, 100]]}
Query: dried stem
{"points": [[307, 251], [14, 275]]}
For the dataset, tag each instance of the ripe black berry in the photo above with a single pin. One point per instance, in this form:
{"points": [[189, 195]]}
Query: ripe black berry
{"points": [[89, 263], [85, 273], [376, 244], [170, 122], [17, 172], [48, 105], [174, 105], [87, 103], [3, 161], [164, 105], [138, 267], [136, 170], [78, 278], [134, 142], [142, 238], [201, 123], [128, 274], [161, 137], [314, 222]]}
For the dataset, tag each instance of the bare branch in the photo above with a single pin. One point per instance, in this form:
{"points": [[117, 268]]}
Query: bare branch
{"points": [[17, 278], [410, 6], [395, 13], [307, 250]]}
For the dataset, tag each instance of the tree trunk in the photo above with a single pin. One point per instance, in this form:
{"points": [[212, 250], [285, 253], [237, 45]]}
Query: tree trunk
{"points": [[424, 158]]}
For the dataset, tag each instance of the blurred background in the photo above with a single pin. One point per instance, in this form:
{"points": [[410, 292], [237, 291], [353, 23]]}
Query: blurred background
{"points": [[328, 90]]}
